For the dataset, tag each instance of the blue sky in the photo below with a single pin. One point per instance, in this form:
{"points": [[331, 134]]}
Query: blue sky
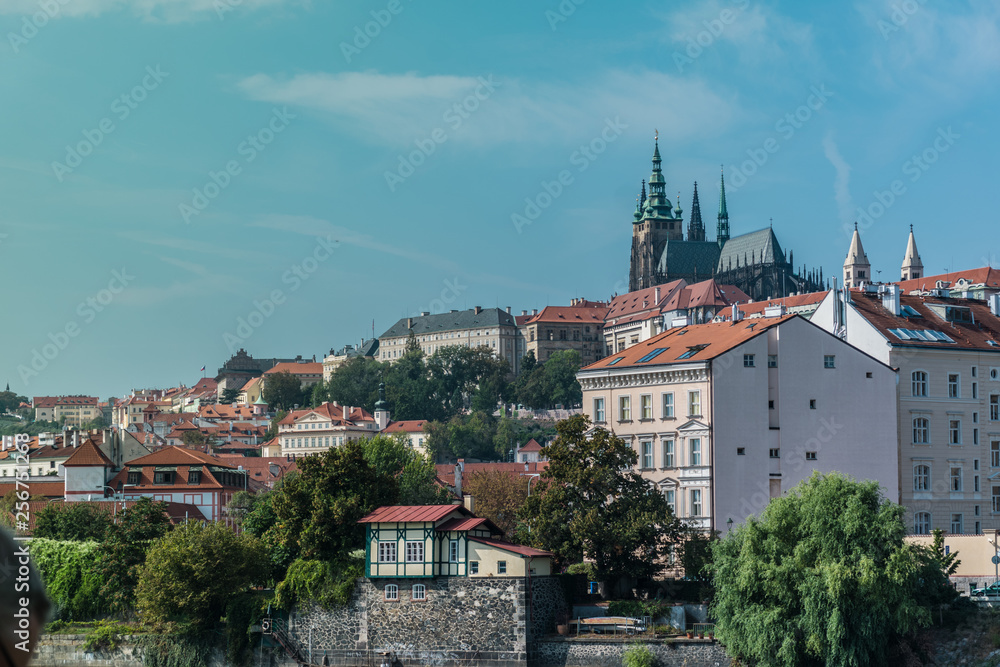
{"points": [[169, 167]]}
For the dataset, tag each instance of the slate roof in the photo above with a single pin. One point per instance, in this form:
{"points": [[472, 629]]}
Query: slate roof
{"points": [[760, 246], [463, 319], [689, 258]]}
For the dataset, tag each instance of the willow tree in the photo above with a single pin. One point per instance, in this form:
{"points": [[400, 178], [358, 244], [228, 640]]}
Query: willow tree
{"points": [[822, 577]]}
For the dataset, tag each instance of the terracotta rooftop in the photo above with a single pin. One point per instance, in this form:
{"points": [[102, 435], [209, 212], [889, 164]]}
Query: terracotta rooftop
{"points": [[469, 523], [986, 275], [927, 315], [591, 313], [531, 446], [88, 454], [696, 342], [296, 368], [446, 471], [333, 412], [513, 548], [798, 302], [406, 426], [641, 300]]}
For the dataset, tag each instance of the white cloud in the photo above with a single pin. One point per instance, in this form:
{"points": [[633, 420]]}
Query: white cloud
{"points": [[167, 11], [397, 109]]}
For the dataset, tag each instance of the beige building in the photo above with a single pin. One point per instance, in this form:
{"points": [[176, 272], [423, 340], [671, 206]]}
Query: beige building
{"points": [[976, 552], [311, 431], [493, 328], [578, 326], [75, 410], [725, 416], [334, 360], [412, 430]]}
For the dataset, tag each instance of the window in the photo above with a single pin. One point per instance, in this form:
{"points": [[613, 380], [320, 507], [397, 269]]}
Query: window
{"points": [[975, 464], [748, 361], [668, 405], [995, 454], [694, 403], [646, 406], [996, 498], [921, 477], [473, 567], [956, 524], [975, 484], [391, 592], [671, 498], [812, 403], [624, 408], [647, 455], [695, 502], [691, 351], [419, 592], [975, 390], [414, 552], [956, 478], [158, 477], [810, 456], [453, 551], [979, 526], [955, 431], [770, 405], [975, 436], [599, 410], [921, 431], [741, 451], [695, 444], [953, 386], [922, 523], [501, 567], [772, 361], [994, 407], [668, 453], [775, 453], [918, 383], [194, 477], [134, 477], [652, 355], [829, 361]]}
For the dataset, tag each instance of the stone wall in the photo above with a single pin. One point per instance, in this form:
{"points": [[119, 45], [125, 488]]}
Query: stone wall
{"points": [[560, 652], [480, 621]]}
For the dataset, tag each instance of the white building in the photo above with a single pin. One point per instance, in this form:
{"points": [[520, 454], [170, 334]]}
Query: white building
{"points": [[311, 431]]}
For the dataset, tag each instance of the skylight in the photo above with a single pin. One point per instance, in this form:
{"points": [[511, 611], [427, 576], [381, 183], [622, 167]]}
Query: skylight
{"points": [[924, 335], [615, 361], [909, 311], [652, 355], [691, 351]]}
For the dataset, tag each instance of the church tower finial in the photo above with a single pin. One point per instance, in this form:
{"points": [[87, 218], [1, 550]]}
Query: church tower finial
{"points": [[696, 228], [912, 266], [722, 230], [857, 268]]}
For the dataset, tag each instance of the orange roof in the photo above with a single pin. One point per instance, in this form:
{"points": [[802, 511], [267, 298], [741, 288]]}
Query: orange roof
{"points": [[468, 523], [642, 300], [406, 426], [331, 411], [966, 335], [706, 341], [796, 301], [589, 314], [47, 489], [531, 446], [446, 471], [89, 455], [297, 368], [172, 456], [986, 275], [412, 513]]}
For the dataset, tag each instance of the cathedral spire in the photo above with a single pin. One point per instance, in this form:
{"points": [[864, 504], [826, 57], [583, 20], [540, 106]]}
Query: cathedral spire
{"points": [[857, 269], [722, 231], [696, 228], [657, 206], [912, 266]]}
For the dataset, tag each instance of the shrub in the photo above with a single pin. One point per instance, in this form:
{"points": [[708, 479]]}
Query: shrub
{"points": [[638, 655], [105, 635], [586, 569], [72, 580], [327, 584]]}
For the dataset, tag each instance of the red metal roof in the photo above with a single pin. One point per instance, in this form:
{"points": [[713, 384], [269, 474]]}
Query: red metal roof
{"points": [[514, 548], [467, 524], [412, 513]]}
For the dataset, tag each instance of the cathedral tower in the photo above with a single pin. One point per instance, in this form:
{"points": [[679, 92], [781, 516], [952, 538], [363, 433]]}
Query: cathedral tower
{"points": [[722, 228], [912, 266], [655, 223], [857, 269]]}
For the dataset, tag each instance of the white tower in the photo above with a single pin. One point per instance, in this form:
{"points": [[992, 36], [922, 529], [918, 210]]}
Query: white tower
{"points": [[912, 266], [857, 269]]}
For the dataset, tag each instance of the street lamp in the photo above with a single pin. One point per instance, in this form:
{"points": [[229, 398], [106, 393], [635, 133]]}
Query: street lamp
{"points": [[729, 525], [532, 476]]}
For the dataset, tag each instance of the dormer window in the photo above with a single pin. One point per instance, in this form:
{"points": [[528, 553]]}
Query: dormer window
{"points": [[164, 475], [134, 477], [194, 475]]}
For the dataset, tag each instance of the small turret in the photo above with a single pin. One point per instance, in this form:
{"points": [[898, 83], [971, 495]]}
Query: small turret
{"points": [[857, 269], [912, 266]]}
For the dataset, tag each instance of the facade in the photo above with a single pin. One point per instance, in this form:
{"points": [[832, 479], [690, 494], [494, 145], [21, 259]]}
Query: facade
{"points": [[74, 410], [334, 360], [309, 373], [530, 452], [947, 352], [413, 431], [424, 541], [978, 283], [478, 327], [312, 431], [242, 367], [725, 416], [753, 262], [577, 326]]}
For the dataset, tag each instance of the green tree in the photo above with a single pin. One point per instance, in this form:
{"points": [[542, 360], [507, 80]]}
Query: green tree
{"points": [[696, 554], [283, 391], [936, 568], [560, 378], [72, 521], [194, 438], [123, 551], [71, 578], [355, 382], [391, 456], [316, 510], [272, 429], [410, 391], [192, 571], [499, 496], [590, 502], [319, 394], [823, 577], [229, 396], [9, 401], [463, 436]]}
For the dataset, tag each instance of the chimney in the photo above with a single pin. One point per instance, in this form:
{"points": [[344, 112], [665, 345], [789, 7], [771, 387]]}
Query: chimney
{"points": [[479, 309], [458, 477], [995, 304], [890, 299], [469, 502], [409, 322], [656, 294], [425, 313], [534, 311], [508, 310], [524, 313]]}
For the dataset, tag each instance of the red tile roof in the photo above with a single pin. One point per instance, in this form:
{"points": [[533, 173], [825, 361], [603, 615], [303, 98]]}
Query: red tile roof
{"points": [[88, 454], [642, 300], [513, 548], [586, 314], [966, 335], [406, 426], [446, 471], [531, 446], [47, 489], [51, 401], [412, 513], [716, 337], [333, 412], [296, 368], [798, 301], [986, 275]]}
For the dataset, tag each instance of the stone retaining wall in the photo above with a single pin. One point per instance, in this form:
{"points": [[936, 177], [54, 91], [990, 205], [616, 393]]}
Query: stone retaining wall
{"points": [[559, 652]]}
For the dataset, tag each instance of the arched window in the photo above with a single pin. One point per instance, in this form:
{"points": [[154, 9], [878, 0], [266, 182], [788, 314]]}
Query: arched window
{"points": [[919, 383], [922, 523], [419, 592], [391, 592], [922, 477], [921, 431]]}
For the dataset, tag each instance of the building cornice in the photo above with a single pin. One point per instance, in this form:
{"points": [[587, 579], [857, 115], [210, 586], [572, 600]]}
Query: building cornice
{"points": [[642, 377]]}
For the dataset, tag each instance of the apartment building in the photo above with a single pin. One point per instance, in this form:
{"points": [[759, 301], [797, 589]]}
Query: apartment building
{"points": [[578, 326], [75, 410], [314, 430], [725, 416]]}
